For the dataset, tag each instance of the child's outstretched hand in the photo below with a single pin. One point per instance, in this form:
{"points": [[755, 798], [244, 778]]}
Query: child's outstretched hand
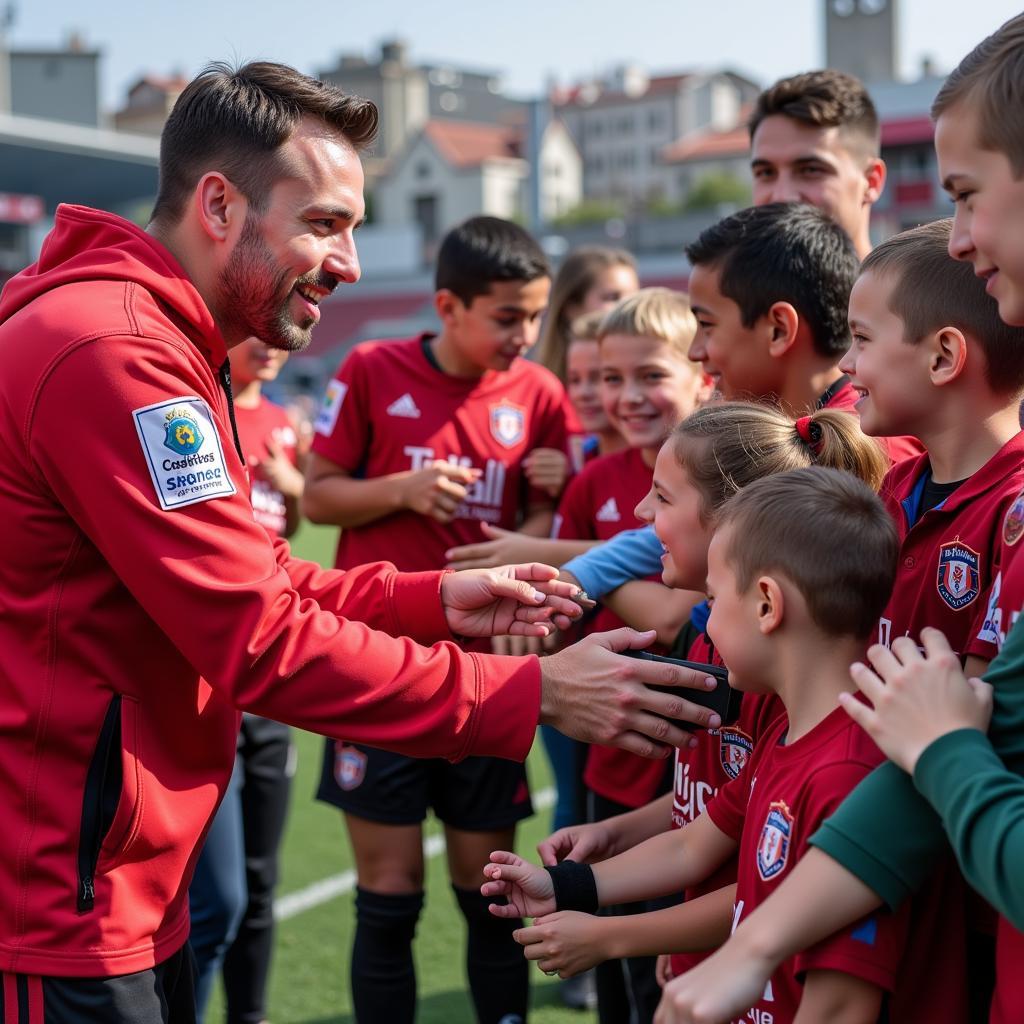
{"points": [[566, 943], [527, 887]]}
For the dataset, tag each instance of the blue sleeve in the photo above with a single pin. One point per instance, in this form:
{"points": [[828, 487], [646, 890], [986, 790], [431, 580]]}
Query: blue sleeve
{"points": [[630, 555]]}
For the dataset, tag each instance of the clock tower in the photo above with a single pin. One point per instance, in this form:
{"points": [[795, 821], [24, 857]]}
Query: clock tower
{"points": [[860, 38]]}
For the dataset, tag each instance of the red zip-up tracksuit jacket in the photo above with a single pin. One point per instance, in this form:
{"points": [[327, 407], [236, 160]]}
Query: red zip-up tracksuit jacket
{"points": [[141, 606]]}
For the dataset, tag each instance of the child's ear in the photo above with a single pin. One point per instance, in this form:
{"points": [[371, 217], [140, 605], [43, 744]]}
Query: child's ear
{"points": [[784, 322], [948, 355], [447, 305], [770, 604]]}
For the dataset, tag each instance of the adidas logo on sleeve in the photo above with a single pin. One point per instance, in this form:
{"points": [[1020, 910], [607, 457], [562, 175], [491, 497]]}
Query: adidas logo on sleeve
{"points": [[404, 407]]}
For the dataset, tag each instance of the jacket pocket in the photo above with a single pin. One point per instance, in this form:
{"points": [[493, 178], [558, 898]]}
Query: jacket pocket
{"points": [[99, 801]]}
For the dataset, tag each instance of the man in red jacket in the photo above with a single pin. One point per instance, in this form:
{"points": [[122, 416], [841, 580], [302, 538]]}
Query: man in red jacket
{"points": [[140, 603]]}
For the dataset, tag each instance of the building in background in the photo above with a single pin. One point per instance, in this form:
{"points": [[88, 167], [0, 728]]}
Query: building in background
{"points": [[51, 84], [408, 95], [149, 102], [861, 38], [452, 170], [623, 123]]}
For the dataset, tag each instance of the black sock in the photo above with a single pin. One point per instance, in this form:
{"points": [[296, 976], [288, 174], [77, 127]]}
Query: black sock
{"points": [[499, 975], [383, 974]]}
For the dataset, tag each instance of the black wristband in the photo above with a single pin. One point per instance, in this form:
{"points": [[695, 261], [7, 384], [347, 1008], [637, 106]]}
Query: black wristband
{"points": [[575, 886]]}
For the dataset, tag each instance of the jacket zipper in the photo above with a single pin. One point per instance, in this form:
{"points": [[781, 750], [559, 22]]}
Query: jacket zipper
{"points": [[96, 815], [225, 383]]}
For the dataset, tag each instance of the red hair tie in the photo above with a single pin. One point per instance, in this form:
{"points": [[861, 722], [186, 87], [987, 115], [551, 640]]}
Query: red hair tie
{"points": [[809, 432]]}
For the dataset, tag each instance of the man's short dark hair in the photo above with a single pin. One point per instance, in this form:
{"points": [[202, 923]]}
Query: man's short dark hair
{"points": [[483, 250], [823, 99], [235, 121], [931, 290], [784, 252]]}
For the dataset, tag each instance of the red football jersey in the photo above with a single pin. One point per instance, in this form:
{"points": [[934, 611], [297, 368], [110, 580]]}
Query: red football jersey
{"points": [[389, 410], [597, 504], [254, 427], [771, 810], [845, 398], [1009, 995], [720, 756], [916, 955], [948, 555]]}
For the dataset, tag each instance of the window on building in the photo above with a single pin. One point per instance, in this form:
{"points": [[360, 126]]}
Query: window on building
{"points": [[425, 215], [656, 120]]}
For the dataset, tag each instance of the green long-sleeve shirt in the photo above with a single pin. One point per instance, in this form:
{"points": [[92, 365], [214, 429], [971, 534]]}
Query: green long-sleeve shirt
{"points": [[967, 788]]}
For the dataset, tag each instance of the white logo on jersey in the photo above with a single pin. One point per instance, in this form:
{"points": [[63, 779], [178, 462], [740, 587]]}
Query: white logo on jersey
{"points": [[404, 406], [328, 413], [608, 512], [691, 795], [484, 498]]}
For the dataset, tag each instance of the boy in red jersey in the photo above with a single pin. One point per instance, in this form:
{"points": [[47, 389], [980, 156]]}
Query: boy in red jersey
{"points": [[771, 328], [787, 619], [423, 440], [647, 386]]}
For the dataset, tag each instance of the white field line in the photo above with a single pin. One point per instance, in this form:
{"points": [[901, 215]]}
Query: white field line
{"points": [[298, 902]]}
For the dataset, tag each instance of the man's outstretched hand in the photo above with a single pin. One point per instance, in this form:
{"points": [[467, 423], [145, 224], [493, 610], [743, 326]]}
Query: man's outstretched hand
{"points": [[591, 692], [521, 600]]}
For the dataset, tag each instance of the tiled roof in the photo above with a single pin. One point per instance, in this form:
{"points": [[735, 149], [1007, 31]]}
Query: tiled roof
{"points": [[467, 144]]}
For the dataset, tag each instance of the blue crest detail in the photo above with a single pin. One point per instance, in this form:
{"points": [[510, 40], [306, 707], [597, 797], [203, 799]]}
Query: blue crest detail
{"points": [[776, 836], [959, 574], [182, 434]]}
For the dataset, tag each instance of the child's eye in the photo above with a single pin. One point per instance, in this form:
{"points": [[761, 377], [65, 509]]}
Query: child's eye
{"points": [[960, 197], [704, 325], [609, 378]]}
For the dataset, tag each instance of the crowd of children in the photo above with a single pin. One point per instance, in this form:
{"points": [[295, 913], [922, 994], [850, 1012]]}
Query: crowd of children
{"points": [[813, 470]]}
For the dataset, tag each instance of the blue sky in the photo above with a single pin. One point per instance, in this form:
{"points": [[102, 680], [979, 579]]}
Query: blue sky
{"points": [[525, 40]]}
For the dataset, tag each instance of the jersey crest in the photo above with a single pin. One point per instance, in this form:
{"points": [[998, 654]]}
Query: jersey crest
{"points": [[734, 748], [959, 574], [508, 423], [1013, 521], [349, 766], [776, 837]]}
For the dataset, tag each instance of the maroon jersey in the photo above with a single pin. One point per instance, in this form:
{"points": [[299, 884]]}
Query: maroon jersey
{"points": [[598, 504], [267, 420], [948, 554], [389, 410], [843, 396], [771, 809], [1009, 995], [786, 791], [720, 756]]}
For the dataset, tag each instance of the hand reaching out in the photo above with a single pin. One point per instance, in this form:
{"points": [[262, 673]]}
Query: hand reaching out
{"points": [[527, 888]]}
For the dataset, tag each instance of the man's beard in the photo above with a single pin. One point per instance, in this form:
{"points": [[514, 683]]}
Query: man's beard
{"points": [[253, 296]]}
